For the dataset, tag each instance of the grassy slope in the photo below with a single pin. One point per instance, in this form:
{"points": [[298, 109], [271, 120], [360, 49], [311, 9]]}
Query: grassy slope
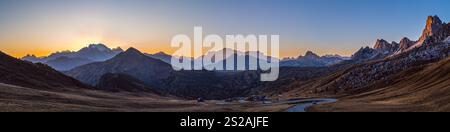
{"points": [[419, 89], [14, 98], [20, 99]]}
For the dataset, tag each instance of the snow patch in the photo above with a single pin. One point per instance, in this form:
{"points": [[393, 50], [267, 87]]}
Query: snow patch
{"points": [[99, 47], [447, 40]]}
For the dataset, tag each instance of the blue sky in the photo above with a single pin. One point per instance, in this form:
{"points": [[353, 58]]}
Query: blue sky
{"points": [[324, 26]]}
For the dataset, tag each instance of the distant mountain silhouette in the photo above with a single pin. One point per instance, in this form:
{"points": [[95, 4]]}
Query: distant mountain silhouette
{"points": [[131, 62], [134, 71], [66, 60], [312, 60], [39, 76], [230, 54], [65, 63], [161, 56]]}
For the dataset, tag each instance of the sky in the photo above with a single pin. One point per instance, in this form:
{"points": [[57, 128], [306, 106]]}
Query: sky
{"points": [[41, 27]]}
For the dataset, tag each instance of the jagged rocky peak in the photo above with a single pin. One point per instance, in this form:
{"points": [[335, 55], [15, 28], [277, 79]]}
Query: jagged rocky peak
{"points": [[394, 43], [385, 47], [366, 49], [395, 46], [434, 23], [99, 46], [405, 40], [130, 53], [30, 56], [405, 43], [118, 49], [364, 53], [102, 48], [311, 54], [382, 44], [133, 50]]}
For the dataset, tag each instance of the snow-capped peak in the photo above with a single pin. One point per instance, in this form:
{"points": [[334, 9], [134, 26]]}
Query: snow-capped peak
{"points": [[100, 47], [311, 54], [447, 40]]}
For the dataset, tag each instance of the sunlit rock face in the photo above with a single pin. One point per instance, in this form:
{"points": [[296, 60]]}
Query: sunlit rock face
{"points": [[405, 43], [384, 47], [433, 25]]}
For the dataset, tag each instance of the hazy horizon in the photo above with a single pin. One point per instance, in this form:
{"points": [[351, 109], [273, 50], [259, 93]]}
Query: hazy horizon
{"points": [[322, 26]]}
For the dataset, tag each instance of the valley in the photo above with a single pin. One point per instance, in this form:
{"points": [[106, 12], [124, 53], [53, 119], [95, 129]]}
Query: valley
{"points": [[20, 99]]}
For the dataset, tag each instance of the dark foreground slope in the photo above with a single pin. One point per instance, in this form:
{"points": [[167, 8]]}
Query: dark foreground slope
{"points": [[39, 76], [122, 82], [18, 99], [25, 86], [22, 99]]}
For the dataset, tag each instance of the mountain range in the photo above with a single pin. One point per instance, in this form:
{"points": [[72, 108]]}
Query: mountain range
{"points": [[26, 74], [147, 72], [383, 49], [387, 79], [161, 56], [310, 59], [66, 60], [404, 76], [131, 62]]}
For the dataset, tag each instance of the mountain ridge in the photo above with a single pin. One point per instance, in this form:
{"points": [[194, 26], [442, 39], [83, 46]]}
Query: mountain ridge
{"points": [[311, 59], [131, 62], [89, 54], [38, 76]]}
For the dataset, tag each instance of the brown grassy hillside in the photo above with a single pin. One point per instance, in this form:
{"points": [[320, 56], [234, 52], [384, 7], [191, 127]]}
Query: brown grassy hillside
{"points": [[39, 76], [424, 88]]}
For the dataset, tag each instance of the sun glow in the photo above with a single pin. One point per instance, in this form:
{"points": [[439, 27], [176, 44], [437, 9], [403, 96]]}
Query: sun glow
{"points": [[83, 41]]}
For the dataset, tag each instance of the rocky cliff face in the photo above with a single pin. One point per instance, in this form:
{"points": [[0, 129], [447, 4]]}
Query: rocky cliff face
{"points": [[433, 25], [433, 48], [366, 53], [405, 43], [434, 32], [384, 47]]}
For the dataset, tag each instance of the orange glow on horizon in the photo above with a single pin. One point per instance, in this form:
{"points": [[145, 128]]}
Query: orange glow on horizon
{"points": [[44, 51]]}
